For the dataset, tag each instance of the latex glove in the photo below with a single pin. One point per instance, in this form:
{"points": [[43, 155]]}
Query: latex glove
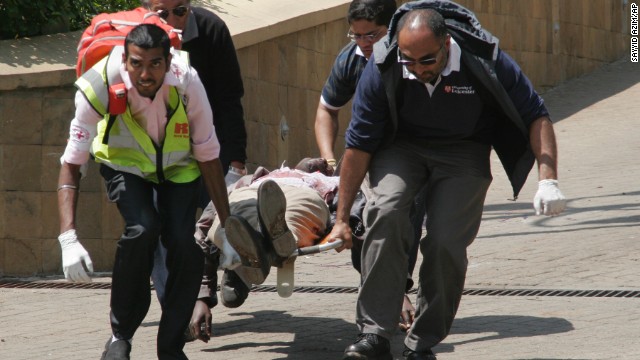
{"points": [[200, 324], [232, 176], [229, 257], [549, 199], [73, 255]]}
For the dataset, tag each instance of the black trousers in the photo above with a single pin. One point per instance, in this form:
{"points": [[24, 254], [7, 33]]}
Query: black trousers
{"points": [[174, 223]]}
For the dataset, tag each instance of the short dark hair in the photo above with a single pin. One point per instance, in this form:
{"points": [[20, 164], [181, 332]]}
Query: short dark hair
{"points": [[148, 36], [377, 11], [147, 3], [424, 17]]}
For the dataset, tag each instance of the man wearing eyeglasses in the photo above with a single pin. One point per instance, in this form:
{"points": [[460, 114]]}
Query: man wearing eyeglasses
{"points": [[368, 20], [433, 101], [208, 41]]}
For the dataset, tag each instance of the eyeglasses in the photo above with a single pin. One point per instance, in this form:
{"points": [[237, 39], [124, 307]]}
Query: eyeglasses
{"points": [[178, 11], [366, 37], [430, 61]]}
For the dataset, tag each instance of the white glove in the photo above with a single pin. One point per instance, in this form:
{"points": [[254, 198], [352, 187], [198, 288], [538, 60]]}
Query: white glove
{"points": [[73, 255], [549, 199], [233, 175], [229, 257]]}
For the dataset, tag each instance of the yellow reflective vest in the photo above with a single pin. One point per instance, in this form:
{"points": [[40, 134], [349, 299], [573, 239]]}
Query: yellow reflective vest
{"points": [[123, 145]]}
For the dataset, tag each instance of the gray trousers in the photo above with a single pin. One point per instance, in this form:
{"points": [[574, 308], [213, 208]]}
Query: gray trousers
{"points": [[457, 177]]}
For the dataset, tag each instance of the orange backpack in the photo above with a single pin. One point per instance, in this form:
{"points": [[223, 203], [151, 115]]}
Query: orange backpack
{"points": [[109, 30]]}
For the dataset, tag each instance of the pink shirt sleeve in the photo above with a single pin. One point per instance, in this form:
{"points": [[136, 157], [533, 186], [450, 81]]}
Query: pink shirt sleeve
{"points": [[204, 142], [81, 132]]}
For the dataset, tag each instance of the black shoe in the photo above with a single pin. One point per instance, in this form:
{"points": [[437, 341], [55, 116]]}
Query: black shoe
{"points": [[368, 347], [233, 290], [414, 355], [272, 206], [249, 245], [117, 350]]}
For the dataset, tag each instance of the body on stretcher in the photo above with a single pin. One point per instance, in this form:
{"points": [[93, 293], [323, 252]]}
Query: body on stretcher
{"points": [[285, 277]]}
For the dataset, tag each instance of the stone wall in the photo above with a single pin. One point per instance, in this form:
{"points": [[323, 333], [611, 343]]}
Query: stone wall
{"points": [[285, 58]]}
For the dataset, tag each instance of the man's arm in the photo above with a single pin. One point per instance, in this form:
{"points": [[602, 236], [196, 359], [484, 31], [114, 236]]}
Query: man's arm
{"points": [[548, 200], [326, 129], [543, 144], [354, 167], [225, 90], [200, 324], [73, 253], [212, 175], [336, 93], [68, 192]]}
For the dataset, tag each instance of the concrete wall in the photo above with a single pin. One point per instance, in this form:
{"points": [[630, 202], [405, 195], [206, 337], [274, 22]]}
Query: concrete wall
{"points": [[286, 49]]}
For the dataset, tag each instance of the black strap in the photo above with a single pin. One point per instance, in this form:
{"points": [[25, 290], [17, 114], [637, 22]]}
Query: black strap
{"points": [[112, 120]]}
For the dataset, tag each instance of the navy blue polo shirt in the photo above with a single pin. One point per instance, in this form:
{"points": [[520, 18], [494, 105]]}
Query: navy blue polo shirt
{"points": [[455, 110], [345, 74]]}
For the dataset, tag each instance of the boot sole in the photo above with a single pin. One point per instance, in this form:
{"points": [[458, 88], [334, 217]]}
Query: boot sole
{"points": [[249, 246], [357, 356], [272, 206]]}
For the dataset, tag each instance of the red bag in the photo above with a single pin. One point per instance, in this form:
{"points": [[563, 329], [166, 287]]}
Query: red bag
{"points": [[109, 30]]}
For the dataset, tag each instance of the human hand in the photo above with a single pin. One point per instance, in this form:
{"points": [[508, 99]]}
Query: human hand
{"points": [[341, 230], [407, 314], [549, 199], [229, 257], [234, 174], [231, 178], [200, 324], [73, 255], [312, 165]]}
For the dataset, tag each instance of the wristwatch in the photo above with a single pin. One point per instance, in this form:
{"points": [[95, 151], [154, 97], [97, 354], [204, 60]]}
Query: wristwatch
{"points": [[236, 171]]}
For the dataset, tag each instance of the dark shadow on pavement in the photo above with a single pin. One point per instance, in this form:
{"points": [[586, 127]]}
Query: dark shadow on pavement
{"points": [[579, 93], [321, 338], [496, 327], [315, 338], [522, 210]]}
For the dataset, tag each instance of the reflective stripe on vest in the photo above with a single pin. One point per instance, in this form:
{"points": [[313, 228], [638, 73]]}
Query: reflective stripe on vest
{"points": [[92, 85], [129, 148]]}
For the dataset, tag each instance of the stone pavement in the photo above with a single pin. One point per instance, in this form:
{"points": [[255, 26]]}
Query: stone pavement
{"points": [[594, 245]]}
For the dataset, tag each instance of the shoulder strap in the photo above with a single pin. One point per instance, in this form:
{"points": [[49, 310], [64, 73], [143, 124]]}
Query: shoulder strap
{"points": [[110, 122], [112, 76]]}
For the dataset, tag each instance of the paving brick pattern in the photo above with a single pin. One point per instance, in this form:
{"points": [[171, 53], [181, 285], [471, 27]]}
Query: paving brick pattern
{"points": [[594, 245]]}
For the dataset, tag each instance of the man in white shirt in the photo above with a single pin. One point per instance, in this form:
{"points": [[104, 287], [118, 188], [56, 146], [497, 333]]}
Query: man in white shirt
{"points": [[161, 140]]}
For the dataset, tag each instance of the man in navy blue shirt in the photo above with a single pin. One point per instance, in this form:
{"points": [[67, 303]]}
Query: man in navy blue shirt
{"points": [[430, 105], [368, 20]]}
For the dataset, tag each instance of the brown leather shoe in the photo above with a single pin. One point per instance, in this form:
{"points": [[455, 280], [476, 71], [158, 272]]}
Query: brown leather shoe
{"points": [[249, 245], [272, 206]]}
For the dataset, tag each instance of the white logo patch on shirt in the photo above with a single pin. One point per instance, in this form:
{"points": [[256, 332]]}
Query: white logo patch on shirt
{"points": [[462, 90]]}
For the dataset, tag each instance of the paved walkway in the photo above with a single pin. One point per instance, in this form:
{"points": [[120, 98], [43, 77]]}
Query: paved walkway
{"points": [[595, 245]]}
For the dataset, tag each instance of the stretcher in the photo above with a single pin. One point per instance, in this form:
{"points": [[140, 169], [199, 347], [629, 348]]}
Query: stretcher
{"points": [[285, 276]]}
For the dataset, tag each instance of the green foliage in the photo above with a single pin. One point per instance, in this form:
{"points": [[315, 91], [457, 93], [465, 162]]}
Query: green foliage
{"points": [[22, 18]]}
